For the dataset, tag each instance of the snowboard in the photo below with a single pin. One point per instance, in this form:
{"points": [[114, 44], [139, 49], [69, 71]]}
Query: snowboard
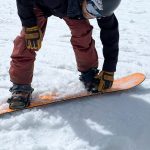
{"points": [[122, 84]]}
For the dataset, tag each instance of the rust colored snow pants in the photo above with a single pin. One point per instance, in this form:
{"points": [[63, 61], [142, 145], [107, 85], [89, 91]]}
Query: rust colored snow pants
{"points": [[22, 63]]}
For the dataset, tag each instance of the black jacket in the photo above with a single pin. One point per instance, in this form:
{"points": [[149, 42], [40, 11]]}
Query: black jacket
{"points": [[59, 8]]}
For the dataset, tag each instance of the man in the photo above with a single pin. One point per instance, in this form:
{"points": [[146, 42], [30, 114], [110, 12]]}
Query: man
{"points": [[34, 15]]}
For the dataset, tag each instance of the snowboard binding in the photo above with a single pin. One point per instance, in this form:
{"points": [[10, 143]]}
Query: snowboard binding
{"points": [[21, 96], [95, 81]]}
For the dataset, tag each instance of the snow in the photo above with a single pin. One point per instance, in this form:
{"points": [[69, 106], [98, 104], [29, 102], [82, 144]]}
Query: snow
{"points": [[119, 121]]}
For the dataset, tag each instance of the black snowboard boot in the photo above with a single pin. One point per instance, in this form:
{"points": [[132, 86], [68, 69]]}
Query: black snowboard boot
{"points": [[21, 96], [89, 80]]}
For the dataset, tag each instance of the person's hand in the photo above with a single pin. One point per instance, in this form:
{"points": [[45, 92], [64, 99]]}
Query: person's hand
{"points": [[33, 38], [105, 80]]}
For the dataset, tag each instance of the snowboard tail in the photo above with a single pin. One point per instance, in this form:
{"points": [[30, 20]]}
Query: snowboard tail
{"points": [[122, 84]]}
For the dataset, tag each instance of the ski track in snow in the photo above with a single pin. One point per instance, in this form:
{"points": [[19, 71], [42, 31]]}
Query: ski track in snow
{"points": [[119, 121]]}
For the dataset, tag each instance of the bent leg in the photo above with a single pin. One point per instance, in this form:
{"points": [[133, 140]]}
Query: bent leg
{"points": [[22, 63], [83, 44]]}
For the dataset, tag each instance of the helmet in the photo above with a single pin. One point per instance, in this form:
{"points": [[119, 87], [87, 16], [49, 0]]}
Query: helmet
{"points": [[102, 8]]}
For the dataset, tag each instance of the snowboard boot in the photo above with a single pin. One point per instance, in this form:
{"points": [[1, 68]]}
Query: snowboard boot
{"points": [[89, 80], [21, 96], [95, 81]]}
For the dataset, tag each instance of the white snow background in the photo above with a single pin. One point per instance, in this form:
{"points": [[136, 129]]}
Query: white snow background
{"points": [[119, 121]]}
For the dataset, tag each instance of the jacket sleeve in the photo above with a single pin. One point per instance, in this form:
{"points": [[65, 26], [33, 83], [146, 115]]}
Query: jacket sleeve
{"points": [[26, 12]]}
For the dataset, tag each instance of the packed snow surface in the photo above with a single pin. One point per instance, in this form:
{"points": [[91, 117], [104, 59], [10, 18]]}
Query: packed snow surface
{"points": [[119, 121]]}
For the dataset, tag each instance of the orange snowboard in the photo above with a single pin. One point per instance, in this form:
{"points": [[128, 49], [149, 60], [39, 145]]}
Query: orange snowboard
{"points": [[121, 84]]}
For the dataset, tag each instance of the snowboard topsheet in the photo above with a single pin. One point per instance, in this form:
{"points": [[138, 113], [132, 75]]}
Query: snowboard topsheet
{"points": [[121, 84]]}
